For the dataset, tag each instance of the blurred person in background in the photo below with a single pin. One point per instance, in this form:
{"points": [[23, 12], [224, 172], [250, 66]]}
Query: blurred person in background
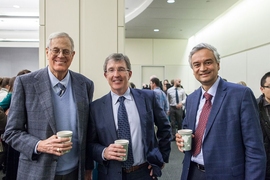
{"points": [[264, 112], [177, 98], [4, 88], [5, 103]]}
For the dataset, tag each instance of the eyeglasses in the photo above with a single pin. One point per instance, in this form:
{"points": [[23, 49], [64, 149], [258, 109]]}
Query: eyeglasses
{"points": [[119, 70], [57, 51], [266, 87]]}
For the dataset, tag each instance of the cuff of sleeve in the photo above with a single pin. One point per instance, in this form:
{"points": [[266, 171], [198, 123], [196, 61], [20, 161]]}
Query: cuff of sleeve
{"points": [[104, 159], [35, 150]]}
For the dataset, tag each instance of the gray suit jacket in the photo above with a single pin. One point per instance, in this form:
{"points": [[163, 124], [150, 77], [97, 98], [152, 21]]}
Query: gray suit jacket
{"points": [[31, 119]]}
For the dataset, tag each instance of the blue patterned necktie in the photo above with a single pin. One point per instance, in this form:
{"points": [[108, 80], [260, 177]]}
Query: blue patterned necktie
{"points": [[124, 130], [176, 96], [62, 89]]}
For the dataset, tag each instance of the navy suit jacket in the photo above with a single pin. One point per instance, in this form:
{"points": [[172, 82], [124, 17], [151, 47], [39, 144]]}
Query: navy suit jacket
{"points": [[233, 146], [102, 132]]}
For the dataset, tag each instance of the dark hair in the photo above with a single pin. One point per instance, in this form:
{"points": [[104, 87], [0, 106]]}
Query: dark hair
{"points": [[156, 81], [24, 71], [117, 57], [172, 82], [132, 85], [1, 79], [5, 81], [11, 83], [263, 80], [168, 86]]}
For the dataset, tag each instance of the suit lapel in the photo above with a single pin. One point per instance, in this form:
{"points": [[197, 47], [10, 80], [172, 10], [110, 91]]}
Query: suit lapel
{"points": [[142, 108], [194, 109], [107, 115], [219, 97], [43, 90], [79, 93]]}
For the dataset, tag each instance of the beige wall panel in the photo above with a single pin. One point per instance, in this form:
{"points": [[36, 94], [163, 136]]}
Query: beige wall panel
{"points": [[258, 63], [243, 27], [185, 73], [258, 25], [99, 37], [42, 47], [64, 16], [41, 12], [148, 71], [136, 75], [233, 68], [139, 51], [121, 39], [248, 66], [168, 51], [121, 13]]}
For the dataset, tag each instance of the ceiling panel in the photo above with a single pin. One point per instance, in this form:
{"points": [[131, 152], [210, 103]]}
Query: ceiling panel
{"points": [[179, 20]]}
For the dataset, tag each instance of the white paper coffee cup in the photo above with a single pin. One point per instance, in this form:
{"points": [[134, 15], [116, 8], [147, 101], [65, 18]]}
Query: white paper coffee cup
{"points": [[124, 143], [65, 134], [187, 137]]}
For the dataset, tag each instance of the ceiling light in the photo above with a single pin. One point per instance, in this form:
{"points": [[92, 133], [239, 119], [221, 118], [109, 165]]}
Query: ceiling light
{"points": [[16, 6], [156, 30], [170, 1], [18, 40]]}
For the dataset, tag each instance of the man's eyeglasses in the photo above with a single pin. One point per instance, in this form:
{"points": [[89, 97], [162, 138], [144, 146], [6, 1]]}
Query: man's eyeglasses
{"points": [[119, 70], [266, 87], [57, 51]]}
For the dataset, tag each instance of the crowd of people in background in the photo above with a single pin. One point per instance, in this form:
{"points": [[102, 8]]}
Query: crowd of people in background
{"points": [[230, 138], [8, 156]]}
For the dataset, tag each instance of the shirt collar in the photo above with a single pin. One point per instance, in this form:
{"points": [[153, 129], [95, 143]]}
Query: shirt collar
{"points": [[115, 97], [54, 80], [265, 103], [213, 89]]}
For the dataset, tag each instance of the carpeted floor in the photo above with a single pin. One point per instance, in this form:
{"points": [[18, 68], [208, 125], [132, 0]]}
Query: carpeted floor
{"points": [[173, 170]]}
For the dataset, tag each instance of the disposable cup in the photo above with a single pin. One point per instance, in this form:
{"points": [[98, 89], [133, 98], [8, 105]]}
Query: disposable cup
{"points": [[65, 134], [187, 137], [124, 143]]}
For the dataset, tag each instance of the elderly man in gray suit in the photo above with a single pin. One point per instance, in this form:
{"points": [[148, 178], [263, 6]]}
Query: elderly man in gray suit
{"points": [[45, 102]]}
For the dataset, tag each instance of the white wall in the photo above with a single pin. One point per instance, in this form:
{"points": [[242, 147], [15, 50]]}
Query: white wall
{"points": [[158, 52], [241, 36]]}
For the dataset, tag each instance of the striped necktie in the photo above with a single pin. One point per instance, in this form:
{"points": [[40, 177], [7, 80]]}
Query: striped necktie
{"points": [[62, 89]]}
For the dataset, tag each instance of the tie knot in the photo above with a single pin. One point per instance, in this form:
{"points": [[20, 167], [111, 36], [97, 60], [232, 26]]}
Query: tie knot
{"points": [[207, 96], [121, 99], [61, 86]]}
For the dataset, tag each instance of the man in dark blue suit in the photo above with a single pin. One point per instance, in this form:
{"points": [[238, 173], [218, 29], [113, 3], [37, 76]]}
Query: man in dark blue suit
{"points": [[231, 146], [150, 151]]}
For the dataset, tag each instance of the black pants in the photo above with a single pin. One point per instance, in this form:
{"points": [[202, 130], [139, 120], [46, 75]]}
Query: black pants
{"points": [[195, 173], [176, 119], [70, 176]]}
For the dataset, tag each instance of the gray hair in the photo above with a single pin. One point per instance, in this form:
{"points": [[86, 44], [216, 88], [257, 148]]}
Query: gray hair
{"points": [[58, 35], [204, 46], [117, 57]]}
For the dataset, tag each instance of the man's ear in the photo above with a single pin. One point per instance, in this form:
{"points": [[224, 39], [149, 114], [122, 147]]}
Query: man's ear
{"points": [[130, 74]]}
